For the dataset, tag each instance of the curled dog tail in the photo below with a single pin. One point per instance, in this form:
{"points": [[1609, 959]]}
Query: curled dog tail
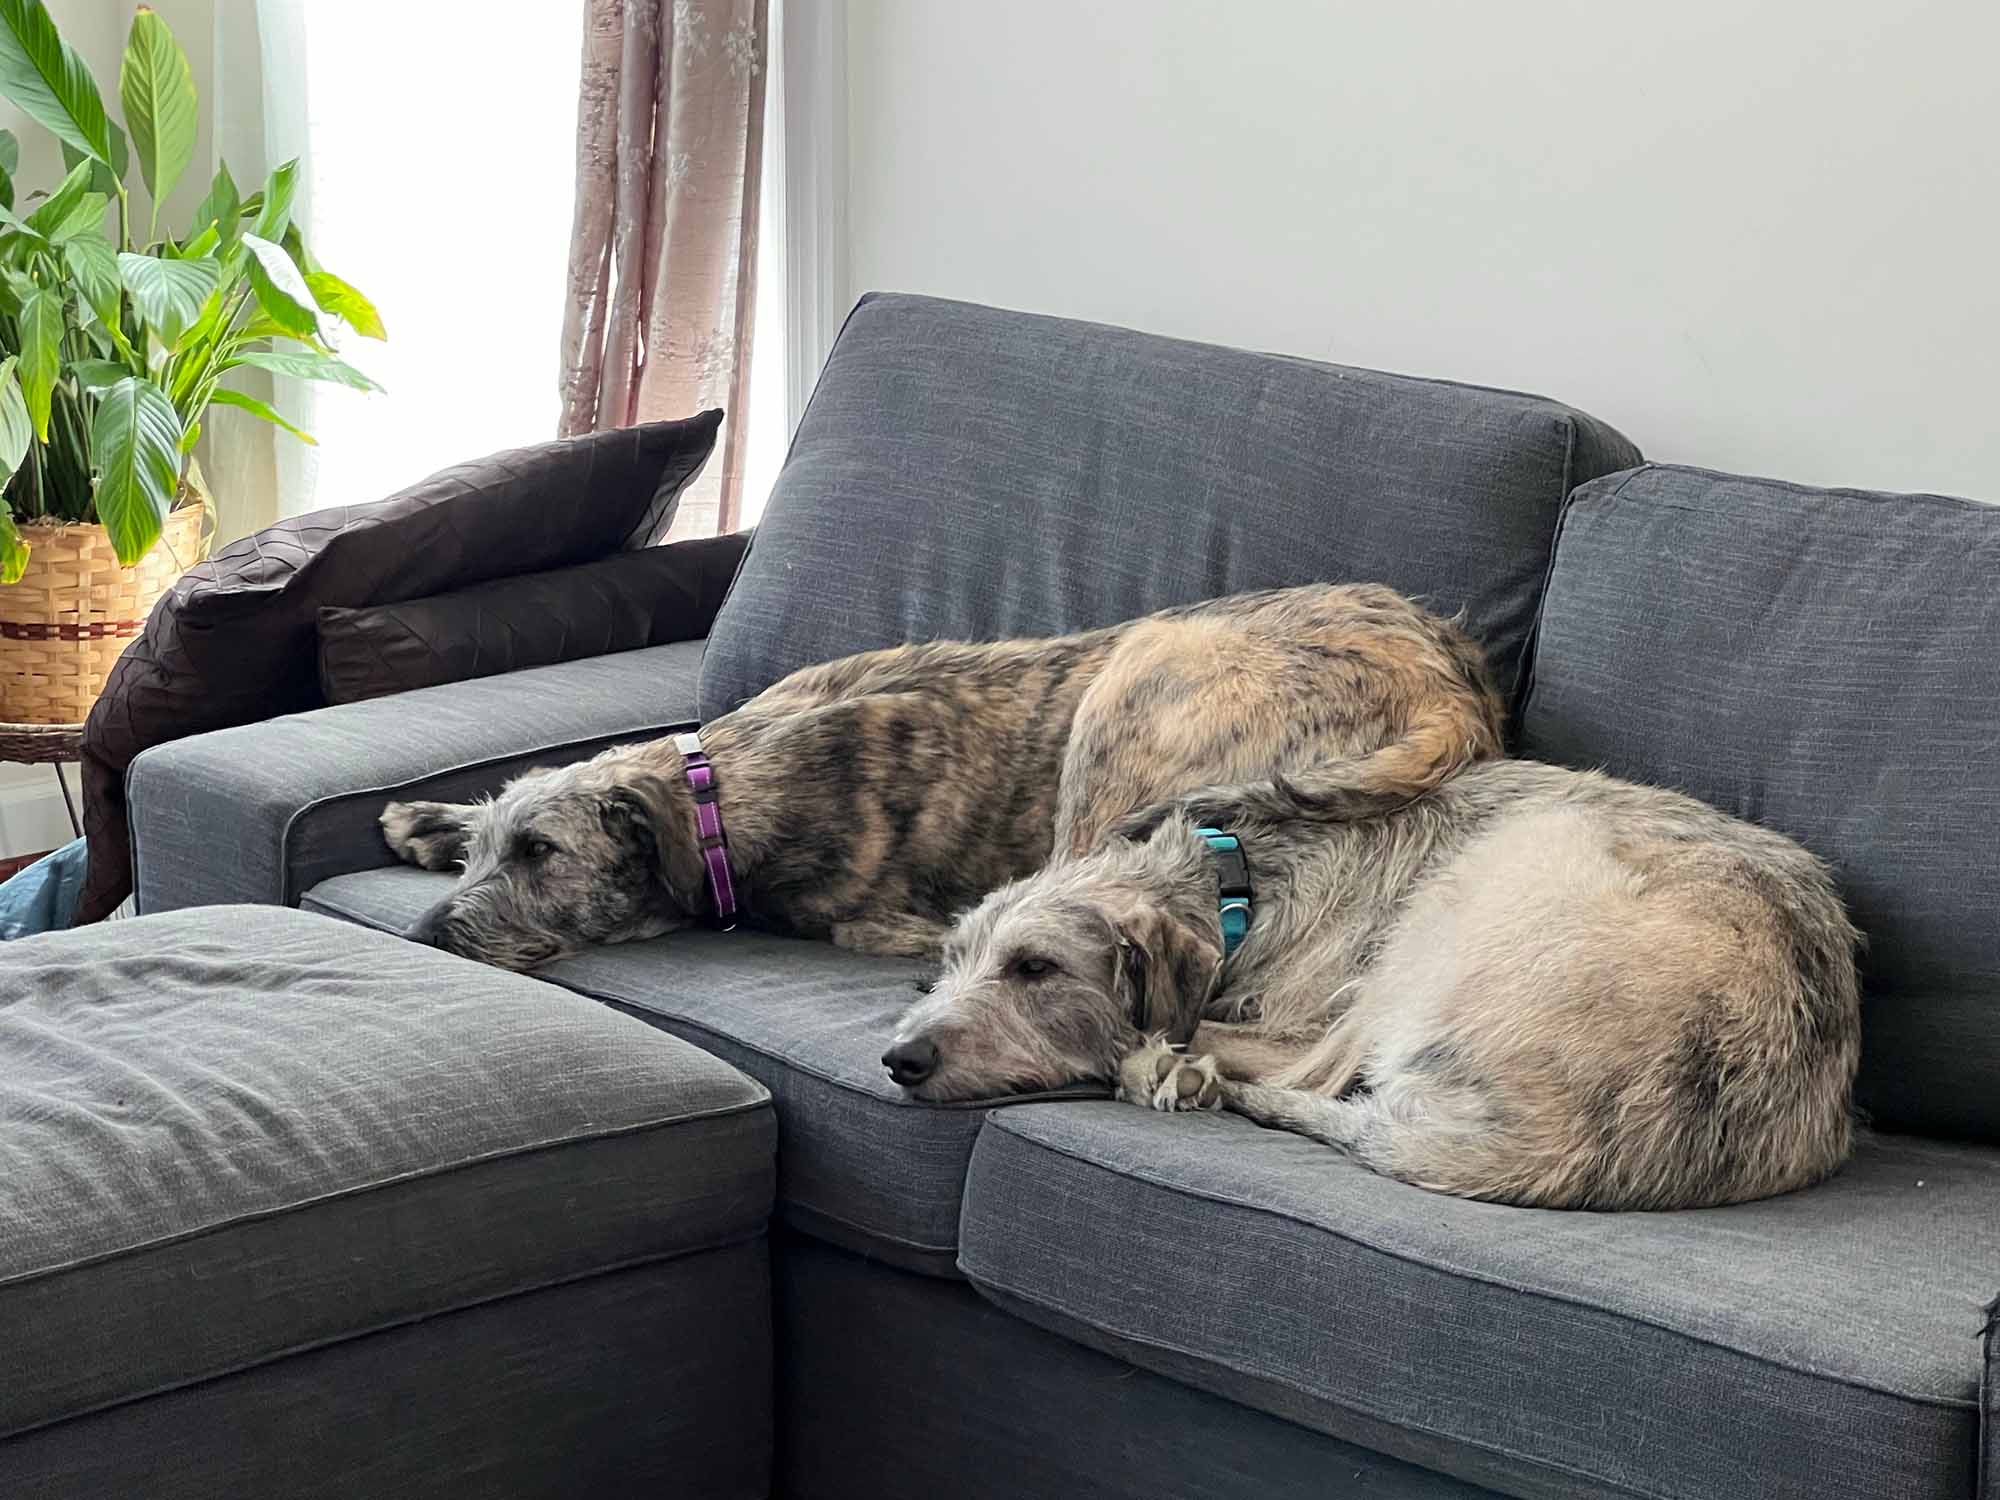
{"points": [[1440, 742]]}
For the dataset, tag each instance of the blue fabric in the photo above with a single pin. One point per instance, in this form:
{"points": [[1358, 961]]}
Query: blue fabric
{"points": [[42, 898]]}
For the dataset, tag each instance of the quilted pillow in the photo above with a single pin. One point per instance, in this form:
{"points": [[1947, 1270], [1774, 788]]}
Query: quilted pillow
{"points": [[236, 640], [619, 603]]}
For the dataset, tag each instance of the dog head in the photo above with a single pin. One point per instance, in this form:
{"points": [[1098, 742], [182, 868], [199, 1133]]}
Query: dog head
{"points": [[1054, 979], [560, 859]]}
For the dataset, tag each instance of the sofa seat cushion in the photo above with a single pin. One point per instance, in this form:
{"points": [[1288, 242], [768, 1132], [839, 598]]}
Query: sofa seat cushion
{"points": [[1824, 662], [1823, 1345], [232, 1134], [862, 1166], [972, 473]]}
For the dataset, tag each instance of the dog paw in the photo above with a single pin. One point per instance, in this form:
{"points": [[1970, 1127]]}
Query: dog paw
{"points": [[429, 835], [1157, 1077]]}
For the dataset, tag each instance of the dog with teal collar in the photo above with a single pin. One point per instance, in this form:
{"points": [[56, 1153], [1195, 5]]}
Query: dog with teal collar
{"points": [[1528, 984]]}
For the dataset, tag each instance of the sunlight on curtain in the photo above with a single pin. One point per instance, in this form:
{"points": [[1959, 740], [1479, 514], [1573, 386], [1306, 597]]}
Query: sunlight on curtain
{"points": [[770, 427], [438, 143]]}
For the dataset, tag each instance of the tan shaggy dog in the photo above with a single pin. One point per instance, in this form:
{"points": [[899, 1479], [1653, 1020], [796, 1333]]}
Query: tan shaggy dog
{"points": [[1530, 984]]}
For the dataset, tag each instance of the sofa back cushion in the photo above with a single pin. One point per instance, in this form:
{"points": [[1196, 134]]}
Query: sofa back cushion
{"points": [[236, 638], [964, 472], [1825, 662]]}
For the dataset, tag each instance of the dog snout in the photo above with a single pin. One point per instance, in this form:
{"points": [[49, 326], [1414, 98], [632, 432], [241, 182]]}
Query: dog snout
{"points": [[911, 1062]]}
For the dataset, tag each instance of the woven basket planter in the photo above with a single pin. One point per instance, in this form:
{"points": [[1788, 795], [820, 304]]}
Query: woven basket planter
{"points": [[75, 609]]}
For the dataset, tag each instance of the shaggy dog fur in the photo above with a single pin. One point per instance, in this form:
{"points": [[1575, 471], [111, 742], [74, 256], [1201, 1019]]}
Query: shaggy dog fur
{"points": [[1529, 984], [871, 799]]}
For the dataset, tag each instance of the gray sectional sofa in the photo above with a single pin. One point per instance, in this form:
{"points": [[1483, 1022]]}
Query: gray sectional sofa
{"points": [[1066, 1296]]}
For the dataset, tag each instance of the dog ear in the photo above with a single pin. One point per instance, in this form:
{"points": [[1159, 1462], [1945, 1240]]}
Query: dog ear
{"points": [[431, 835], [634, 824], [641, 814], [1167, 972]]}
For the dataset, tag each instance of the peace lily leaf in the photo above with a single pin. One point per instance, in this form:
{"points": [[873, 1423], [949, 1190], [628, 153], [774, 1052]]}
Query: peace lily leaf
{"points": [[157, 89], [86, 217], [56, 207], [344, 302], [96, 375], [94, 265], [265, 410], [202, 244], [102, 178], [168, 293], [309, 367], [6, 187], [41, 325], [10, 153], [16, 431], [51, 85], [274, 204], [13, 551], [281, 291], [220, 209], [23, 235], [135, 447]]}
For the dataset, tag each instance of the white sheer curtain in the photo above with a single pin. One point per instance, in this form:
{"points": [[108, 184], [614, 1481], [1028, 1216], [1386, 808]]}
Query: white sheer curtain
{"points": [[437, 143]]}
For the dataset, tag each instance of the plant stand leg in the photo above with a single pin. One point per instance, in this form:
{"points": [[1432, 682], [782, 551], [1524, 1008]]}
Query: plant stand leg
{"points": [[75, 827]]}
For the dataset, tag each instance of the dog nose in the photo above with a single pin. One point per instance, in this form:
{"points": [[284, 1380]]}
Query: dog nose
{"points": [[427, 929], [910, 1063]]}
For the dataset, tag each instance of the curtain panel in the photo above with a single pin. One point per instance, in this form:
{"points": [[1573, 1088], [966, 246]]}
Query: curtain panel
{"points": [[663, 251]]}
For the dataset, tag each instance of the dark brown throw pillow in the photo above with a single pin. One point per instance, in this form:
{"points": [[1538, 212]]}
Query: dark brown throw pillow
{"points": [[618, 603], [236, 640]]}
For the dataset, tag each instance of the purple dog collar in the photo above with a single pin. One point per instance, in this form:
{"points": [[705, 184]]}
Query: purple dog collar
{"points": [[708, 823]]}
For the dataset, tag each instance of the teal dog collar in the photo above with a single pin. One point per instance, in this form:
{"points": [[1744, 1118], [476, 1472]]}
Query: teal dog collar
{"points": [[1232, 878]]}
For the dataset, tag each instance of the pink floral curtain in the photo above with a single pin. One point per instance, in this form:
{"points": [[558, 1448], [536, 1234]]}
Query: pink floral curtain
{"points": [[663, 250]]}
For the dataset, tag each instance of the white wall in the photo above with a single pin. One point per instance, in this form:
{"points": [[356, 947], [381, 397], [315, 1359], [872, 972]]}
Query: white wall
{"points": [[1758, 237]]}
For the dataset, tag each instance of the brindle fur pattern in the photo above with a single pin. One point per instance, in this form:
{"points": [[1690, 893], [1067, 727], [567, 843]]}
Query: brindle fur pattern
{"points": [[870, 799], [1531, 984]]}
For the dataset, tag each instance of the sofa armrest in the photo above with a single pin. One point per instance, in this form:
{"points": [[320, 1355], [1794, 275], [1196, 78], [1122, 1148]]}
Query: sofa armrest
{"points": [[264, 812]]}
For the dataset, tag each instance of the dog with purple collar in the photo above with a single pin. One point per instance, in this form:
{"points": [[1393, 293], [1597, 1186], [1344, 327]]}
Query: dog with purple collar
{"points": [[869, 800]]}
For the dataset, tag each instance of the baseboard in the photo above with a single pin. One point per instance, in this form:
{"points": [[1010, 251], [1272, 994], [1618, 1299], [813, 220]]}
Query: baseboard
{"points": [[31, 812]]}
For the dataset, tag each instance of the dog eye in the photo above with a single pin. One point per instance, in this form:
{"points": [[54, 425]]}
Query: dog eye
{"points": [[537, 848], [1034, 968]]}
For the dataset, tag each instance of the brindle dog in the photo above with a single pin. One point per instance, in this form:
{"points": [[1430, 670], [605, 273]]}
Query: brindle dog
{"points": [[870, 799], [1530, 984]]}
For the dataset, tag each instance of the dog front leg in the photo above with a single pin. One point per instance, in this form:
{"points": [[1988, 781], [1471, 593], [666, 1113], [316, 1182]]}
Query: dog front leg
{"points": [[891, 937], [1158, 1077]]}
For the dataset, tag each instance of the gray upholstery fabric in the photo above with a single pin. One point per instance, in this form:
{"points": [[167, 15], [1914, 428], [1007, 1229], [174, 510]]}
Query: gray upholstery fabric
{"points": [[1989, 1408], [1820, 1345], [1826, 662], [861, 1165], [972, 473], [233, 1133], [958, 1399], [265, 812], [637, 1384]]}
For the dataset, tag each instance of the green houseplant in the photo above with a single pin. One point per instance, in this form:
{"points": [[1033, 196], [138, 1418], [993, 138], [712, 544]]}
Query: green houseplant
{"points": [[114, 343]]}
